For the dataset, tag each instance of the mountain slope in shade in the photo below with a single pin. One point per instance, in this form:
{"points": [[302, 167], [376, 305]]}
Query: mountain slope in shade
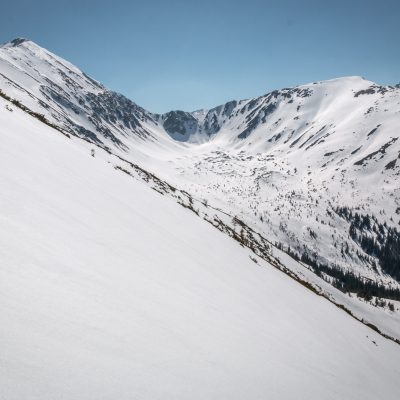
{"points": [[110, 290]]}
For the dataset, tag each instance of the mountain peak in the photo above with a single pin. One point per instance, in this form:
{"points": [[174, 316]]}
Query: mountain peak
{"points": [[17, 41]]}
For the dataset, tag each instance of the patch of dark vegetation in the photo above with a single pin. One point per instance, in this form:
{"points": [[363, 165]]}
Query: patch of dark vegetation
{"points": [[346, 281], [309, 138], [391, 164], [356, 150], [276, 137], [375, 89], [373, 130], [381, 151], [375, 239], [331, 153], [34, 114], [364, 91], [297, 140]]}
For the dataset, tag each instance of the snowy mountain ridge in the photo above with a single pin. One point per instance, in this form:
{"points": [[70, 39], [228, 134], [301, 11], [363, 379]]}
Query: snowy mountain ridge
{"points": [[235, 252], [69, 97], [315, 168], [111, 290]]}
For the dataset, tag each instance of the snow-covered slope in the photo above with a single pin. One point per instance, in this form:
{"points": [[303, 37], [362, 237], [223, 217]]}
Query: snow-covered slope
{"points": [[67, 96], [314, 169], [111, 290], [287, 161]]}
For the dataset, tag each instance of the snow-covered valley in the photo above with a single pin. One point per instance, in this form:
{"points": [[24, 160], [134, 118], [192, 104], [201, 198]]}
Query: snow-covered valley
{"points": [[285, 162], [110, 289]]}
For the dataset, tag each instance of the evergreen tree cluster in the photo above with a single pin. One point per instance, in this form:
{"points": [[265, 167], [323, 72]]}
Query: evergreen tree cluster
{"points": [[375, 239], [346, 281], [34, 114]]}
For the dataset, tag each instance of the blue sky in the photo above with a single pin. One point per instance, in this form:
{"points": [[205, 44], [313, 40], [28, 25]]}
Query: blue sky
{"points": [[197, 54]]}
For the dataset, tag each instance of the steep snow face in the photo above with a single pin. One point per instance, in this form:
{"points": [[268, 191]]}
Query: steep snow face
{"points": [[68, 97], [110, 290], [284, 161]]}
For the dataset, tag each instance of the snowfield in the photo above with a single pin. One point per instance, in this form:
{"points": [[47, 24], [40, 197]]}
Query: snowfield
{"points": [[283, 162], [115, 282], [111, 290]]}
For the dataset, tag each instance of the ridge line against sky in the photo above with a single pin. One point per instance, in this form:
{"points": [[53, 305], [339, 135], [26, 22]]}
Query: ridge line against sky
{"points": [[189, 55]]}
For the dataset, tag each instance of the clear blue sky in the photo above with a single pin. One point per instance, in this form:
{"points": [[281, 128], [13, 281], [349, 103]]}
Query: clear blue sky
{"points": [[185, 54]]}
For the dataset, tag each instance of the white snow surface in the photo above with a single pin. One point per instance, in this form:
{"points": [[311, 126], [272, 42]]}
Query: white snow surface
{"points": [[110, 290], [282, 161]]}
